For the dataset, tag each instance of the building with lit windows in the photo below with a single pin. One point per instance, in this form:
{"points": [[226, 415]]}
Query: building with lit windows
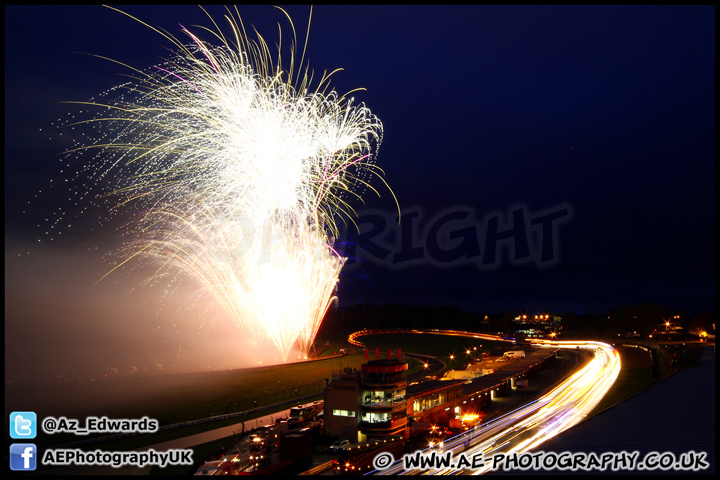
{"points": [[537, 326], [376, 402], [382, 399], [341, 408], [368, 404], [435, 401]]}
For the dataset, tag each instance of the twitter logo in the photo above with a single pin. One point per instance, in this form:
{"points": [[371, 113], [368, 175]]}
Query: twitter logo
{"points": [[23, 425]]}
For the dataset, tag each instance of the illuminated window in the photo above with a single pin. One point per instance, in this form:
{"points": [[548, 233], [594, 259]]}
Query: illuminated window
{"points": [[382, 398], [372, 417], [344, 413]]}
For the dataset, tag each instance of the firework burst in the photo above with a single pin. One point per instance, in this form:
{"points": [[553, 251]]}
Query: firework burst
{"points": [[237, 174]]}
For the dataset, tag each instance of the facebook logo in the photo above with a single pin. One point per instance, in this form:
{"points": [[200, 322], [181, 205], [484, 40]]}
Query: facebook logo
{"points": [[23, 456], [23, 425]]}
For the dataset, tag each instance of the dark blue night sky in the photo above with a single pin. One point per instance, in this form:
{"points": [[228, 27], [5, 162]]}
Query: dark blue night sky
{"points": [[605, 113]]}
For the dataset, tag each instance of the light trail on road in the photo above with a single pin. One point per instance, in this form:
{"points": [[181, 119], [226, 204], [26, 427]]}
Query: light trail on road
{"points": [[353, 337], [527, 427]]}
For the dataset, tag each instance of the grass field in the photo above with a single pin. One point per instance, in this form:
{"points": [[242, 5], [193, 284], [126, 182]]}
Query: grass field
{"points": [[181, 397], [438, 346], [635, 377], [177, 397]]}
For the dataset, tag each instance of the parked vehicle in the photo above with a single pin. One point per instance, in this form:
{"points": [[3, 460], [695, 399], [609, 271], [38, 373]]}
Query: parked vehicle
{"points": [[337, 446]]}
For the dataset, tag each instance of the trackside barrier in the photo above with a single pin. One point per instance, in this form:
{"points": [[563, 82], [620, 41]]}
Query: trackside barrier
{"points": [[199, 421]]}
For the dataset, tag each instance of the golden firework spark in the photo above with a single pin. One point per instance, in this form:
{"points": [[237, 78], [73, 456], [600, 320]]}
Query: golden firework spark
{"points": [[240, 173]]}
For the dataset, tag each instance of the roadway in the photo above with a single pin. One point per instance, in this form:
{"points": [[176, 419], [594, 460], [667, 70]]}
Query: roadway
{"points": [[532, 424], [433, 365], [218, 433]]}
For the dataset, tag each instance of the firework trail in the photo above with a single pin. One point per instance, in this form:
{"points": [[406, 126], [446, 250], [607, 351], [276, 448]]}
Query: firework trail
{"points": [[240, 174]]}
